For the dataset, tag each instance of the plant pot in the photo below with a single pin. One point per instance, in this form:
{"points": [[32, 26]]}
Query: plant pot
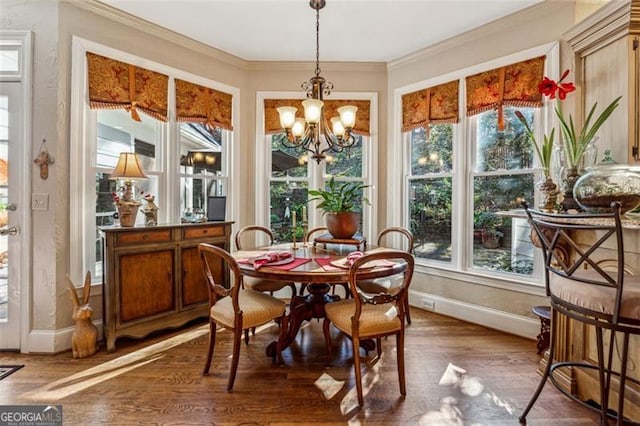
{"points": [[342, 225], [490, 240]]}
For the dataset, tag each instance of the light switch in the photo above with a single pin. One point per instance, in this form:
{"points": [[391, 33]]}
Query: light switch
{"points": [[39, 201]]}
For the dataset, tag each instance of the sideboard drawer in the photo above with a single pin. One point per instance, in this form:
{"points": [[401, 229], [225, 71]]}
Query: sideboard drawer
{"points": [[157, 236], [203, 232]]}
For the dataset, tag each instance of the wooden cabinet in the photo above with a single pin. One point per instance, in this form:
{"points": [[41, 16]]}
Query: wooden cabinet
{"points": [[153, 277], [607, 60]]}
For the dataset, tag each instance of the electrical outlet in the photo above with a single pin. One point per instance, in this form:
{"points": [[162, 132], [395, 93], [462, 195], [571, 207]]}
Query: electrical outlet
{"points": [[39, 201], [428, 304]]}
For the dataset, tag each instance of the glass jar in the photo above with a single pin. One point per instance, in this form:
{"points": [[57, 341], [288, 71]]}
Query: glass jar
{"points": [[606, 183]]}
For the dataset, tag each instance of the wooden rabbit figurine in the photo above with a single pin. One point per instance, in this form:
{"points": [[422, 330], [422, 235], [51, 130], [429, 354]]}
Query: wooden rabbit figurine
{"points": [[85, 336]]}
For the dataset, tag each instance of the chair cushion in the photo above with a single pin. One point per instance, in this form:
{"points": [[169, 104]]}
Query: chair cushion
{"points": [[257, 309], [373, 320], [261, 284], [598, 298]]}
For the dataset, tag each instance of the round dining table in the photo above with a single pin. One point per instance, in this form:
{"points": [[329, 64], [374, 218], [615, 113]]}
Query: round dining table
{"points": [[319, 269]]}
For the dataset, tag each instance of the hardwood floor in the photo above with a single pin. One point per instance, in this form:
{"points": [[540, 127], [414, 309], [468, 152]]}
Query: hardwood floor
{"points": [[158, 380]]}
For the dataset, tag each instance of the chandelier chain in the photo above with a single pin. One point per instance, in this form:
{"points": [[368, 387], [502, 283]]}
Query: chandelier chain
{"points": [[317, 42]]}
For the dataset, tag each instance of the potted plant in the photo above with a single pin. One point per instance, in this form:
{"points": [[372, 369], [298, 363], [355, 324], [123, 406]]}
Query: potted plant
{"points": [[341, 205], [488, 222]]}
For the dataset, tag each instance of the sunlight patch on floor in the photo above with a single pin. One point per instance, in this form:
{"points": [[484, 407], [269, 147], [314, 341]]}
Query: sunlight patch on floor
{"points": [[328, 385], [370, 377], [469, 386], [118, 366]]}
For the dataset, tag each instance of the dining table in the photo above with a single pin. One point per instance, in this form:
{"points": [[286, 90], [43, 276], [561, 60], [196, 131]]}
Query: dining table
{"points": [[319, 268]]}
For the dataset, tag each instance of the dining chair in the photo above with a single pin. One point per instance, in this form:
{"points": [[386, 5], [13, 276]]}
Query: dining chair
{"points": [[593, 289], [235, 308], [308, 239], [384, 240], [376, 316], [260, 284]]}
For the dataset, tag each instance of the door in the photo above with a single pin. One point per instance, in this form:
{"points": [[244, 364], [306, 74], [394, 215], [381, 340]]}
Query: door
{"points": [[13, 149]]}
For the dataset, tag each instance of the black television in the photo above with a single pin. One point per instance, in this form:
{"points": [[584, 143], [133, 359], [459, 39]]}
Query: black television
{"points": [[216, 207]]}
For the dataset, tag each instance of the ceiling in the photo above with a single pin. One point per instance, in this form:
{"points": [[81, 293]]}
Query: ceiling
{"points": [[350, 30]]}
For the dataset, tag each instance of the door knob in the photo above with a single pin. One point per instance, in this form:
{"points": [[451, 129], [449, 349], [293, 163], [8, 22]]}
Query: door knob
{"points": [[11, 207], [8, 231]]}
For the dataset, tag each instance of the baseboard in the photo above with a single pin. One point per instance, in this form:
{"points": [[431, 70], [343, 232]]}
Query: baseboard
{"points": [[52, 341], [481, 315]]}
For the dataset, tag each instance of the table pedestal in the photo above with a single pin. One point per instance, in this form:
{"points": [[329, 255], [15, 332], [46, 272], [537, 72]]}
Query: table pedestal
{"points": [[305, 308]]}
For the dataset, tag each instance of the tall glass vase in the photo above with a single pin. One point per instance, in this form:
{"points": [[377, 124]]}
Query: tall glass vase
{"points": [[567, 174]]}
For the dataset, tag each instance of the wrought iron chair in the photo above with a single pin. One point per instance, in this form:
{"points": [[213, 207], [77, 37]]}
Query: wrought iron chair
{"points": [[235, 308], [585, 289], [383, 285], [372, 316], [260, 284]]}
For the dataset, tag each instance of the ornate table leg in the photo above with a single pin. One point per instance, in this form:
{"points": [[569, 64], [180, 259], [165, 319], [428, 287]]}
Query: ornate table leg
{"points": [[303, 308]]}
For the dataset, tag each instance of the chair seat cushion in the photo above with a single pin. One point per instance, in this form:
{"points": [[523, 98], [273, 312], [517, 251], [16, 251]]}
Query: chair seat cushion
{"points": [[373, 320], [597, 298], [261, 284], [257, 309]]}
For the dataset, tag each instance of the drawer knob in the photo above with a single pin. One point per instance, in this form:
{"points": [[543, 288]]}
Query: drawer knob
{"points": [[145, 236], [205, 231]]}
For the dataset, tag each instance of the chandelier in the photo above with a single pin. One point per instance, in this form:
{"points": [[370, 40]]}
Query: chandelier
{"points": [[310, 132]]}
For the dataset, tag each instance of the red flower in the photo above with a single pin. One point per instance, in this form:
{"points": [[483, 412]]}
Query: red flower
{"points": [[549, 87]]}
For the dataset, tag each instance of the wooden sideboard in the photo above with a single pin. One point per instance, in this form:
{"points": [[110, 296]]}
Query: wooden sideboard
{"points": [[153, 277]]}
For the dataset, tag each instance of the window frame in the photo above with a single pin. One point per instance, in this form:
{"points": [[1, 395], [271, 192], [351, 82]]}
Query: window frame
{"points": [[461, 265], [316, 172], [83, 150]]}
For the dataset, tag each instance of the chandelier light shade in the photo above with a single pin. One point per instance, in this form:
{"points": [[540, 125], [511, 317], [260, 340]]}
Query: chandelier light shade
{"points": [[129, 169], [315, 133]]}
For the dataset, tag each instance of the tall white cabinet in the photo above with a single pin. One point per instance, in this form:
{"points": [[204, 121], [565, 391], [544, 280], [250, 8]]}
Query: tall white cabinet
{"points": [[607, 59]]}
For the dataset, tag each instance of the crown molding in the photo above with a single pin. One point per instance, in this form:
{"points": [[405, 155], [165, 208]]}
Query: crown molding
{"points": [[616, 19], [310, 66], [134, 22], [539, 12]]}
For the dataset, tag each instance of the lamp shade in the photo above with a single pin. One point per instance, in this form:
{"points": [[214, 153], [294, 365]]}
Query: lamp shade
{"points": [[312, 110], [128, 167], [287, 116], [348, 115]]}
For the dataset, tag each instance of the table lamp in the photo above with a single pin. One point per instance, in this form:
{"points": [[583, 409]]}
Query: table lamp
{"points": [[128, 168]]}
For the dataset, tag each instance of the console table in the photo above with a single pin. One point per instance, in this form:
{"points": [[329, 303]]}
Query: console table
{"points": [[359, 241], [153, 277]]}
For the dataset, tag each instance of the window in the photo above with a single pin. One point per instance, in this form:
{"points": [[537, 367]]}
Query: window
{"points": [[288, 176], [290, 181], [461, 177], [430, 190], [185, 160], [503, 176]]}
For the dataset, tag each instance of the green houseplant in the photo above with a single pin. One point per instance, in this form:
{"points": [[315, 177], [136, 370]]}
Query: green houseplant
{"points": [[340, 203]]}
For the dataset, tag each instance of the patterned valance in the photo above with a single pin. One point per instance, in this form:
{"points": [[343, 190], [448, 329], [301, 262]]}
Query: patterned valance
{"points": [[199, 104], [512, 85], [117, 85], [272, 119], [437, 105]]}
